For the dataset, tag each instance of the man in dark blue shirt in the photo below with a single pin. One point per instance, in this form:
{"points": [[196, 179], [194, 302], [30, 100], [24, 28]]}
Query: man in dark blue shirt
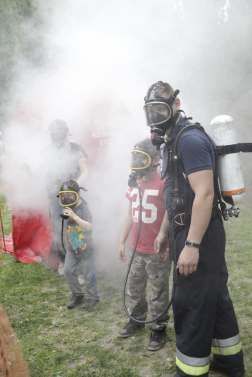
{"points": [[204, 317]]}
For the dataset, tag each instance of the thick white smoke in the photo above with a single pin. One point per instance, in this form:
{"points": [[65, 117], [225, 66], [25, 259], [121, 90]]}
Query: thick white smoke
{"points": [[101, 59]]}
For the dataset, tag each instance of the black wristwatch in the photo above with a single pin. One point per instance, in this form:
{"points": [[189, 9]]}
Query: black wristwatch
{"points": [[192, 244]]}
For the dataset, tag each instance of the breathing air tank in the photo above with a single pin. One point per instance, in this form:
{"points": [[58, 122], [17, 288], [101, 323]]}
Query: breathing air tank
{"points": [[229, 166]]}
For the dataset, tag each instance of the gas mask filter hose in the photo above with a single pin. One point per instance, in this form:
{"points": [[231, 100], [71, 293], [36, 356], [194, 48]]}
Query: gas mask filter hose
{"points": [[62, 231]]}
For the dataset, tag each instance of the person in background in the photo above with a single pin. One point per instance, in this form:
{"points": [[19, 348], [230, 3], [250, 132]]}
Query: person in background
{"points": [[62, 160]]}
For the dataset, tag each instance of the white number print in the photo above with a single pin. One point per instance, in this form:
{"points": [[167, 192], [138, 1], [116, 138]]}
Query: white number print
{"points": [[135, 204], [135, 214]]}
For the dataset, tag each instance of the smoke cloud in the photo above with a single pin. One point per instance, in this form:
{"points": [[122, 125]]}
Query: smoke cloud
{"points": [[99, 58]]}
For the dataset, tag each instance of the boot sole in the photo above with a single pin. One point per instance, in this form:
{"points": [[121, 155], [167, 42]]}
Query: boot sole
{"points": [[155, 348]]}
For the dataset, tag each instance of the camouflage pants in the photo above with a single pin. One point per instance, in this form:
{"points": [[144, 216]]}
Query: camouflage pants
{"points": [[149, 267]]}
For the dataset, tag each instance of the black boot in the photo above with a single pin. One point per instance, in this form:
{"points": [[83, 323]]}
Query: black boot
{"points": [[129, 329], [157, 340]]}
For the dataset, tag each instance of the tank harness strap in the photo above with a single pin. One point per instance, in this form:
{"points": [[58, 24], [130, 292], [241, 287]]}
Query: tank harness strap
{"points": [[188, 205], [232, 148], [188, 189]]}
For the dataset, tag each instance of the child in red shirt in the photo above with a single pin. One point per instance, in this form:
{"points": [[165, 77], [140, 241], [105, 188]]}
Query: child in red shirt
{"points": [[146, 265]]}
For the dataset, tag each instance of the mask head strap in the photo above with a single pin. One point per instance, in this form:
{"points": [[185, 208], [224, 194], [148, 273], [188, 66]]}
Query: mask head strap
{"points": [[153, 92]]}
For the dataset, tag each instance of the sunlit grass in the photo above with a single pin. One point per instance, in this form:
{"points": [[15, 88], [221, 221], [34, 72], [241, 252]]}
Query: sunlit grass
{"points": [[56, 341]]}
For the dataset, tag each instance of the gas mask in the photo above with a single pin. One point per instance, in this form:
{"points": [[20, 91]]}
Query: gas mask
{"points": [[58, 131], [159, 114], [141, 164], [68, 196], [58, 137]]}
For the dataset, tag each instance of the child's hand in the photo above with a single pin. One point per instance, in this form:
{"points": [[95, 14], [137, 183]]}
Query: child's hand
{"points": [[121, 253], [160, 245], [69, 212], [166, 256]]}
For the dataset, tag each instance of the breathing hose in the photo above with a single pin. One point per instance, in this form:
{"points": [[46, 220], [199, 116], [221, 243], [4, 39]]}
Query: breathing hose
{"points": [[62, 231], [127, 274], [162, 175]]}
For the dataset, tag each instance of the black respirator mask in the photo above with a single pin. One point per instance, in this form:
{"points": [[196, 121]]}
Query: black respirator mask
{"points": [[58, 137], [141, 164], [159, 114], [58, 131], [66, 200]]}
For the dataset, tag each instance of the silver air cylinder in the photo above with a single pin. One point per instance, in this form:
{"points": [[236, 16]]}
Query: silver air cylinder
{"points": [[229, 166]]}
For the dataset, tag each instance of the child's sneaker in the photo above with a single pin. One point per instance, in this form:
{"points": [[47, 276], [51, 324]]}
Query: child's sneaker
{"points": [[157, 340], [130, 328], [75, 300], [89, 304]]}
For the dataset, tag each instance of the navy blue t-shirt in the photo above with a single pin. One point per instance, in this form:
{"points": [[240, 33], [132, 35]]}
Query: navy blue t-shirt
{"points": [[196, 153]]}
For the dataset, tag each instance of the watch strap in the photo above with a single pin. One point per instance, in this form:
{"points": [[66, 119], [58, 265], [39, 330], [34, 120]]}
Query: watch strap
{"points": [[192, 244]]}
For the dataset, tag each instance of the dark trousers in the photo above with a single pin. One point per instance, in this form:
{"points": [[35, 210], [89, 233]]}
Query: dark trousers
{"points": [[203, 311]]}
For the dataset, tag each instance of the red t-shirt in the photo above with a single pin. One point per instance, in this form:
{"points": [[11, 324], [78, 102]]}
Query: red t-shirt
{"points": [[153, 210]]}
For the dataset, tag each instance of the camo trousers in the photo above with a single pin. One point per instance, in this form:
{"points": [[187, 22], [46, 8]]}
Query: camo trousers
{"points": [[149, 267]]}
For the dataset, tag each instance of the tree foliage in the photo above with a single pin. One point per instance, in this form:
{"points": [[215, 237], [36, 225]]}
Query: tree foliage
{"points": [[21, 45]]}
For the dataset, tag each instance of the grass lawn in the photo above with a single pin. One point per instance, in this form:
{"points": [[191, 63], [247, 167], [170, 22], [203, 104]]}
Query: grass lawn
{"points": [[59, 342]]}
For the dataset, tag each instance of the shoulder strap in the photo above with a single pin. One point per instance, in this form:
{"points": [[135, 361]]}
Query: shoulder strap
{"points": [[188, 196], [233, 148], [182, 131]]}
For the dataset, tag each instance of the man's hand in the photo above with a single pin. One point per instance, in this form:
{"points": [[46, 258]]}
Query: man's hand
{"points": [[121, 252], [25, 167], [160, 244], [188, 260], [70, 213]]}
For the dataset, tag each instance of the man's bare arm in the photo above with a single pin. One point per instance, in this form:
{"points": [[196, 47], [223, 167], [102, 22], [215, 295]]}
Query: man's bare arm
{"points": [[83, 165], [203, 186]]}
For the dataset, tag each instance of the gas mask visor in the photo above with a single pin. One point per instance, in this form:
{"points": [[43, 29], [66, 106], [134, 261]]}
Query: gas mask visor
{"points": [[68, 198], [58, 136], [140, 161], [157, 112]]}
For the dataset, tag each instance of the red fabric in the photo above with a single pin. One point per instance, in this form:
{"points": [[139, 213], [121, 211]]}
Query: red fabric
{"points": [[32, 237], [153, 210]]}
